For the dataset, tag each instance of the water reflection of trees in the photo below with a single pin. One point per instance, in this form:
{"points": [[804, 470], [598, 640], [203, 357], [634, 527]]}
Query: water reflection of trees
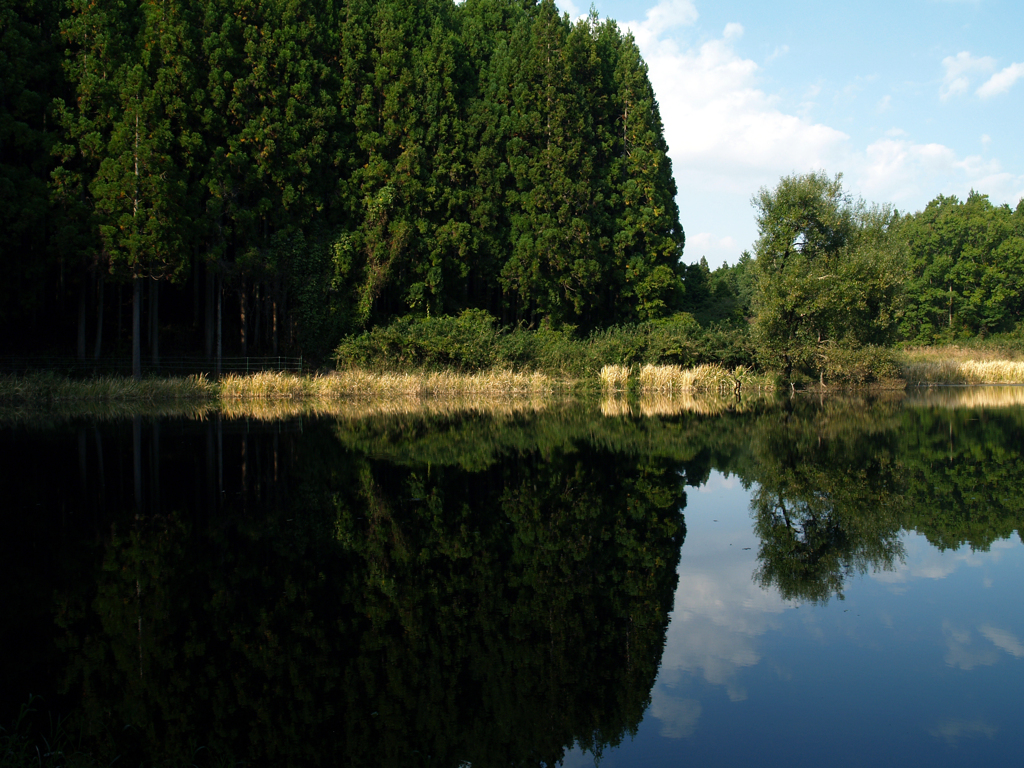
{"points": [[457, 588], [835, 486], [390, 614], [826, 503]]}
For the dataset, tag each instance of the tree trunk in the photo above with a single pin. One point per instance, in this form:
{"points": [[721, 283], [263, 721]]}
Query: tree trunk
{"points": [[277, 290], [154, 323], [243, 321], [136, 328], [98, 346], [82, 303], [257, 310], [220, 324], [210, 291]]}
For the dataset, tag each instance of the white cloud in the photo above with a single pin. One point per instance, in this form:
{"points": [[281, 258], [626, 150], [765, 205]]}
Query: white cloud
{"points": [[1002, 81], [724, 132], [908, 173], [1001, 638], [704, 242], [719, 612], [959, 70], [883, 103], [961, 651], [678, 716], [665, 16], [953, 731]]}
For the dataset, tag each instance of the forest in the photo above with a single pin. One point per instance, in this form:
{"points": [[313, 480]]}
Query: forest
{"points": [[243, 177]]}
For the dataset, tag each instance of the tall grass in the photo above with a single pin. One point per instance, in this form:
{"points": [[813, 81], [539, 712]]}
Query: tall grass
{"points": [[53, 388], [669, 379], [963, 371], [272, 395]]}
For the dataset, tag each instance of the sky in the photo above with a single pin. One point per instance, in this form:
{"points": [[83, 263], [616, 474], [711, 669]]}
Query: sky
{"points": [[908, 100]]}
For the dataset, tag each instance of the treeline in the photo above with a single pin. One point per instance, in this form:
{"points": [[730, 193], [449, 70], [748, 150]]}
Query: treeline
{"points": [[835, 282], [298, 171]]}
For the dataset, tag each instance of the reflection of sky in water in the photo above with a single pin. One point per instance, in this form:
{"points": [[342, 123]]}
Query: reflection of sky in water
{"points": [[923, 665]]}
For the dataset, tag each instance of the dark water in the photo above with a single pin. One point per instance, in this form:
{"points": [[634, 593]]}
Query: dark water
{"points": [[809, 584]]}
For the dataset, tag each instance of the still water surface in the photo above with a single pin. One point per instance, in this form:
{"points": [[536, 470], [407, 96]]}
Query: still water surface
{"points": [[803, 584]]}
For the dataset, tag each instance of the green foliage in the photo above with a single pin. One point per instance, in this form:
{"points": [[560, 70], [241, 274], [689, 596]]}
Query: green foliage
{"points": [[492, 155], [473, 341], [465, 343], [966, 261], [828, 273], [722, 296], [34, 231]]}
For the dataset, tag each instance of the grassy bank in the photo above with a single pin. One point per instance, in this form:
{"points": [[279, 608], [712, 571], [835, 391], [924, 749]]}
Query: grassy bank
{"points": [[953, 364], [668, 388]]}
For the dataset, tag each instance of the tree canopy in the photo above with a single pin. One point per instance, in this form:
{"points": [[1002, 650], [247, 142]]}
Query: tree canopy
{"points": [[828, 272], [329, 167]]}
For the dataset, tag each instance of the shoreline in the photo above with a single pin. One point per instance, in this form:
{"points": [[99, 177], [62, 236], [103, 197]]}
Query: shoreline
{"points": [[48, 388]]}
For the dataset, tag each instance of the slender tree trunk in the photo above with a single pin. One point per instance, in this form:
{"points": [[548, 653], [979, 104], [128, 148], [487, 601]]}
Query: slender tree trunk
{"points": [[195, 291], [98, 346], [242, 318], [120, 317], [210, 291], [257, 307], [220, 324], [273, 309], [154, 323], [82, 304], [136, 328]]}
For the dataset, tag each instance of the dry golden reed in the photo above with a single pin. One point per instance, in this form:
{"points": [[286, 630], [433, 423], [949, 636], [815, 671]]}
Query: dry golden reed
{"points": [[964, 372], [615, 377], [52, 388], [673, 378]]}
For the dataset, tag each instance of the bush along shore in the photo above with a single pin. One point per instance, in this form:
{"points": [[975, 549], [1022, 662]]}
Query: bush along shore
{"points": [[470, 357]]}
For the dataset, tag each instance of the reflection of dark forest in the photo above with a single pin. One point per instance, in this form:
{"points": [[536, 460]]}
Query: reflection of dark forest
{"points": [[275, 597], [432, 590]]}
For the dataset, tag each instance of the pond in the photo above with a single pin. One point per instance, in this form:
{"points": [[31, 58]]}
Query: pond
{"points": [[808, 582]]}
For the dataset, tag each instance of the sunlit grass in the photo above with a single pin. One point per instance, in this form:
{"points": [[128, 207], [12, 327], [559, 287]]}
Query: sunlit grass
{"points": [[947, 352], [275, 395], [614, 377], [963, 371], [671, 379], [53, 388]]}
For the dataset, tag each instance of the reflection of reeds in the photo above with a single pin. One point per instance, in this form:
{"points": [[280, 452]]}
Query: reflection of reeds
{"points": [[964, 372], [968, 397], [664, 404], [364, 407], [616, 406], [673, 378], [48, 398]]}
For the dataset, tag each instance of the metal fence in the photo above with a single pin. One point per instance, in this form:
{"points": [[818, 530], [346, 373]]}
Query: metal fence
{"points": [[168, 366]]}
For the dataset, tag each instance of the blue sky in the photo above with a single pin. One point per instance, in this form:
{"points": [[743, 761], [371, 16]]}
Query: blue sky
{"points": [[906, 99]]}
